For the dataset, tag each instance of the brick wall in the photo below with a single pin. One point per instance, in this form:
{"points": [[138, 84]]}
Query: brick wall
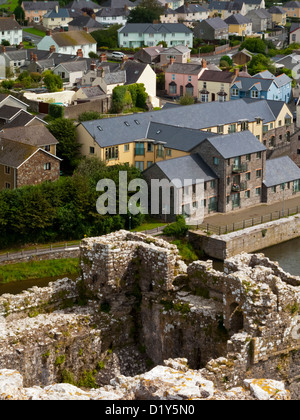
{"points": [[32, 172]]}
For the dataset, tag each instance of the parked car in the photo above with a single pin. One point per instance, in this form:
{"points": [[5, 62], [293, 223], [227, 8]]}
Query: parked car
{"points": [[118, 55], [27, 39]]}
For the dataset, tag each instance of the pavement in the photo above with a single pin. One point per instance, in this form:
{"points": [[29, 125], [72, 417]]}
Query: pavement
{"points": [[236, 216]]}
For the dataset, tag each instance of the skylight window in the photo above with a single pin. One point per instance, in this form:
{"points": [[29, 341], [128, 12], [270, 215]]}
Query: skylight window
{"points": [[100, 128], [137, 122], [126, 123]]}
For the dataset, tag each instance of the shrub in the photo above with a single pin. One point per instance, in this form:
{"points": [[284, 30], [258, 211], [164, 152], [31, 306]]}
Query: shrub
{"points": [[56, 111], [177, 229], [88, 116]]}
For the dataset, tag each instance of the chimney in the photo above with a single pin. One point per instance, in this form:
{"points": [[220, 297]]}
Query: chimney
{"points": [[236, 71], [187, 4], [124, 58], [21, 46], [56, 9], [172, 60], [93, 16], [3, 49], [86, 29], [93, 65], [79, 53], [52, 49], [48, 32], [103, 57], [125, 7], [35, 58], [204, 63], [245, 69], [61, 29], [166, 6], [13, 17], [31, 56]]}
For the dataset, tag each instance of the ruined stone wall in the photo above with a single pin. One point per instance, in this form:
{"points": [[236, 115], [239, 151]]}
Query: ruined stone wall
{"points": [[137, 304]]}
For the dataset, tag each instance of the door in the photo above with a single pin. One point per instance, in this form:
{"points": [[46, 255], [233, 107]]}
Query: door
{"points": [[213, 97], [235, 200]]}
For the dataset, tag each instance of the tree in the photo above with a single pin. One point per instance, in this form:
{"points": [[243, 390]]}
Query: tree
{"points": [[19, 14], [89, 115], [227, 59], [52, 81], [107, 37], [260, 63], [146, 12], [186, 100], [68, 147], [255, 45]]}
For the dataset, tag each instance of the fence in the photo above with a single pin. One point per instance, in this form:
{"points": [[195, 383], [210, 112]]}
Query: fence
{"points": [[38, 252], [254, 221]]}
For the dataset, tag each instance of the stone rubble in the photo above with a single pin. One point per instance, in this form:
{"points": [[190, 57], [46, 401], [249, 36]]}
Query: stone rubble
{"points": [[171, 381]]}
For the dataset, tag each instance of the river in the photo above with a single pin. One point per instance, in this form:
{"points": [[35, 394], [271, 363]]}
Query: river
{"points": [[287, 254]]}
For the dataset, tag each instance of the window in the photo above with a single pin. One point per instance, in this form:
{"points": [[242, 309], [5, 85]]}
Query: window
{"points": [[139, 149], [204, 97], [47, 148], [189, 90], [149, 163], [173, 76], [248, 158], [282, 186], [220, 129], [234, 92], [212, 184], [126, 147], [216, 161], [247, 194], [189, 78], [257, 190], [112, 153], [172, 89], [244, 125], [47, 166], [273, 189], [258, 173], [258, 155], [204, 85], [169, 152], [231, 128], [248, 176], [221, 98], [7, 170], [254, 93], [139, 165], [92, 150], [7, 185]]}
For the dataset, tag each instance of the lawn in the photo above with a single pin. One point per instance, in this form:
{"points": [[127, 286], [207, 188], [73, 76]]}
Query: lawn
{"points": [[38, 269], [10, 5], [149, 225], [34, 31]]}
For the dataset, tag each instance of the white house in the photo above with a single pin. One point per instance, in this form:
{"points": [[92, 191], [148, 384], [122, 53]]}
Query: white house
{"points": [[79, 43], [10, 30], [71, 71], [112, 16]]}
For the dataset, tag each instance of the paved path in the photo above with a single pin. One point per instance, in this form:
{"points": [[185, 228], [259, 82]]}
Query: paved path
{"points": [[221, 219]]}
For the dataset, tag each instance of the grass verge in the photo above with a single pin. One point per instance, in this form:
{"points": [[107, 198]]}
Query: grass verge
{"points": [[38, 269]]}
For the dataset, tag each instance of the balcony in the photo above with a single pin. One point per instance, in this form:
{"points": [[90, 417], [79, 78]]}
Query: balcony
{"points": [[240, 167], [241, 186]]}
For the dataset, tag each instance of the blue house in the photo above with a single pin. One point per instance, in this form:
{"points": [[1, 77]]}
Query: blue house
{"points": [[263, 85]]}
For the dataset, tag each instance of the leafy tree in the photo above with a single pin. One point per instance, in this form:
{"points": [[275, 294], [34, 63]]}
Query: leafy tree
{"points": [[186, 100], [227, 59], [19, 14], [260, 63], [255, 45], [107, 37], [52, 81], [146, 12], [68, 148]]}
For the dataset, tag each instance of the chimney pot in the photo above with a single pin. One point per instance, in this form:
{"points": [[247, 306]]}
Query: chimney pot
{"points": [[48, 32], [103, 57], [93, 65], [52, 48], [236, 71], [204, 63], [86, 29], [35, 59], [172, 60], [79, 53]]}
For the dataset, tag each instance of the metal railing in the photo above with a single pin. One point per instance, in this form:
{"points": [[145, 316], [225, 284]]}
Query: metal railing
{"points": [[210, 228]]}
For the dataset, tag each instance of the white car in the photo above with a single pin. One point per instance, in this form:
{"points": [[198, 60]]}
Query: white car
{"points": [[117, 55]]}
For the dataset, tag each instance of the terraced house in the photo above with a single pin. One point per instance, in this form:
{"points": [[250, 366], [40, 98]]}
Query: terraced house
{"points": [[134, 35]]}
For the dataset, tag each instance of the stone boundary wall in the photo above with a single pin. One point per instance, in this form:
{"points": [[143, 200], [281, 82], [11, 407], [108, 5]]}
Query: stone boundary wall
{"points": [[248, 240], [40, 255]]}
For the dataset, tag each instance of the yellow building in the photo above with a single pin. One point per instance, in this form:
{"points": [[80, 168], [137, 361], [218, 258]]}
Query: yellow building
{"points": [[145, 138], [214, 85], [56, 18], [292, 8], [239, 25], [278, 15]]}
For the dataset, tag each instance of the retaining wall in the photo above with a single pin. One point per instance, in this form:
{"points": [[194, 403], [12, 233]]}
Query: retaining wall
{"points": [[248, 240]]}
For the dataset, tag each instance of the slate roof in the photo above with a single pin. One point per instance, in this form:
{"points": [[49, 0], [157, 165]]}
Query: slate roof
{"points": [[80, 4], [217, 76], [275, 175], [60, 13], [85, 21], [216, 23], [154, 28], [7, 112], [184, 68], [74, 66], [40, 5], [92, 91], [133, 71], [191, 8], [186, 168], [247, 83], [236, 144], [179, 138], [237, 19], [113, 11], [277, 10], [20, 120], [294, 4], [8, 24], [124, 129], [35, 135]]}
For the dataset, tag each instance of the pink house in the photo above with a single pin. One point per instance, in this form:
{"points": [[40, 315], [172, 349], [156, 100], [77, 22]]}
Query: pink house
{"points": [[35, 10], [181, 79]]}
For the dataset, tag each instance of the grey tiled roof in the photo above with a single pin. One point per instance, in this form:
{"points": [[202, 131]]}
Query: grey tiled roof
{"points": [[236, 144], [114, 131], [40, 5], [185, 168], [237, 19], [216, 23], [184, 68], [61, 13], [155, 28], [275, 175]]}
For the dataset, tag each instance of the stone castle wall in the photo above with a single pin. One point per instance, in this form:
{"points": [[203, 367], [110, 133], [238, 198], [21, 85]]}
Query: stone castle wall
{"points": [[136, 297]]}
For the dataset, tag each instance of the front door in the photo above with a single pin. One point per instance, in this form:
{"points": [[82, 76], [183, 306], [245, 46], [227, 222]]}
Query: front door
{"points": [[213, 97], [235, 200]]}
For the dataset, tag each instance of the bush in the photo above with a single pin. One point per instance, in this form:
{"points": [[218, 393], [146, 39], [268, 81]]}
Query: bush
{"points": [[7, 84], [56, 111], [177, 229], [227, 59], [88, 116]]}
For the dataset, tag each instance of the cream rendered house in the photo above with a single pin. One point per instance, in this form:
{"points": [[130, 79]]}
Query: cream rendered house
{"points": [[56, 18]]}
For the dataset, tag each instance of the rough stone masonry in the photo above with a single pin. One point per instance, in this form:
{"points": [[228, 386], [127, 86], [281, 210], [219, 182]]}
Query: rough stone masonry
{"points": [[136, 305]]}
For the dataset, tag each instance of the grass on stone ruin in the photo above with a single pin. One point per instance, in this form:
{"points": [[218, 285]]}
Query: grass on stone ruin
{"points": [[38, 269]]}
